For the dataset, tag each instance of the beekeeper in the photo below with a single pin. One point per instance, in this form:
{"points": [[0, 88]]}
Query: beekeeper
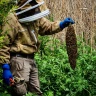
{"points": [[21, 43]]}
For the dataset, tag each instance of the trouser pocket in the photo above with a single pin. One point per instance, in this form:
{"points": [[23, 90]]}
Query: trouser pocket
{"points": [[17, 64], [20, 88]]}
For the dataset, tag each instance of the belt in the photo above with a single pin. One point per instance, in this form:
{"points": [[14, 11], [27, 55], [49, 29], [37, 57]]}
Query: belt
{"points": [[29, 56]]}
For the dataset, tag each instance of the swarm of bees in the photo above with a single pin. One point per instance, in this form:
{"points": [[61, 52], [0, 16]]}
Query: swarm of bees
{"points": [[71, 46]]}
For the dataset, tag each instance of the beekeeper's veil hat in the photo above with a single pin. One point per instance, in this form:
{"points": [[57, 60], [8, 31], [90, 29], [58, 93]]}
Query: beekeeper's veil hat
{"points": [[31, 10]]}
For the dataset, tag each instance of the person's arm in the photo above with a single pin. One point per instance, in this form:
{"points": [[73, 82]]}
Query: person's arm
{"points": [[46, 27], [8, 34]]}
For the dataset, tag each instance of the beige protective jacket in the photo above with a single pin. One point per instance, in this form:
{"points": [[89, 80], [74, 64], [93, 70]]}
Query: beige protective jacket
{"points": [[18, 39]]}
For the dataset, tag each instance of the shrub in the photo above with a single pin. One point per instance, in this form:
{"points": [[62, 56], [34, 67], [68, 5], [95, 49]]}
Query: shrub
{"points": [[56, 76]]}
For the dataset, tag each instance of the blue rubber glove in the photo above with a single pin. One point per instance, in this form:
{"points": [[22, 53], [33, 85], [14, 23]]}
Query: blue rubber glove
{"points": [[6, 74], [66, 22]]}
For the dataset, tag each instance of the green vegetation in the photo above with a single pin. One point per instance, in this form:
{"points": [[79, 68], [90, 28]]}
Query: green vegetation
{"points": [[5, 7], [56, 76]]}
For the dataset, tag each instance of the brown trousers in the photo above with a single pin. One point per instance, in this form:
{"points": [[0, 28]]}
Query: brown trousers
{"points": [[26, 70]]}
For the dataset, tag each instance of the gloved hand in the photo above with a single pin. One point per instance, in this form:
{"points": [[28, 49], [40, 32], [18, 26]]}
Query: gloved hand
{"points": [[7, 75], [66, 22]]}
